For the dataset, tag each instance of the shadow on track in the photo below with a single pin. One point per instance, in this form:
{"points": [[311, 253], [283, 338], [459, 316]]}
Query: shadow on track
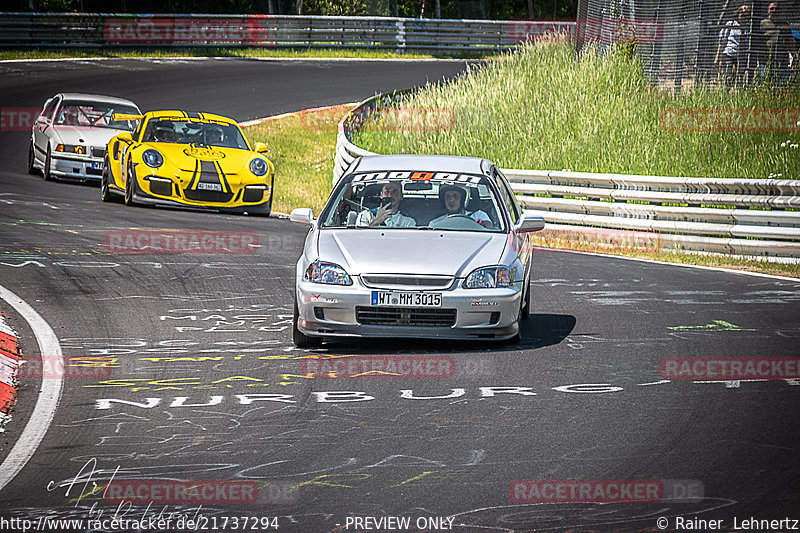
{"points": [[538, 331]]}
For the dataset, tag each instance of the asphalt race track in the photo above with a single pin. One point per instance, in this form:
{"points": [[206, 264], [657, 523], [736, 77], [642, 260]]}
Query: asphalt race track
{"points": [[194, 376]]}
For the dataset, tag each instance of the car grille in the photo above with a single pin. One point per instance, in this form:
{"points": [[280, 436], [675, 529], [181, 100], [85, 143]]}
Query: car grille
{"points": [[208, 196], [405, 316], [400, 281], [98, 151]]}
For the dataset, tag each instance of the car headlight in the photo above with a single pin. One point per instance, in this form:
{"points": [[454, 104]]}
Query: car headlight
{"points": [[152, 158], [71, 148], [258, 167], [327, 273], [489, 278]]}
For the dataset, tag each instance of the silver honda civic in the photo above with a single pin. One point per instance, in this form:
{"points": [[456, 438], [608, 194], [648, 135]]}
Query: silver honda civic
{"points": [[415, 246]]}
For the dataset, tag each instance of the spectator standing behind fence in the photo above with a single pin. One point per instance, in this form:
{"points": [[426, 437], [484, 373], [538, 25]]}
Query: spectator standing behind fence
{"points": [[775, 43], [796, 57], [727, 58]]}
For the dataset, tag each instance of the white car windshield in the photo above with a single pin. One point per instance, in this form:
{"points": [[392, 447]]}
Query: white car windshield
{"points": [[416, 200], [95, 115]]}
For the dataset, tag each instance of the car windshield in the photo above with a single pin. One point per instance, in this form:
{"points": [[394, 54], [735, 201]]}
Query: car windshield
{"points": [[220, 134], [95, 115], [415, 200]]}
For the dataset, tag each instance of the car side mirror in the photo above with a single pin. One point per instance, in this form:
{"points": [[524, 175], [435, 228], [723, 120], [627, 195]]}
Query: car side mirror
{"points": [[125, 136], [530, 223], [302, 215], [261, 147]]}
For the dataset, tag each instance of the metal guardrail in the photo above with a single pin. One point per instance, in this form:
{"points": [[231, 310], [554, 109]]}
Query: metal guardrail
{"points": [[751, 217], [277, 31]]}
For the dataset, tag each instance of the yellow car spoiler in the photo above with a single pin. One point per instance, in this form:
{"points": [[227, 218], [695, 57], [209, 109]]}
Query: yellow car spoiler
{"points": [[118, 117]]}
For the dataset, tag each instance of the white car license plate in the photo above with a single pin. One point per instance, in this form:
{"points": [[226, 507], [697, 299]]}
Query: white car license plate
{"points": [[406, 299], [97, 165]]}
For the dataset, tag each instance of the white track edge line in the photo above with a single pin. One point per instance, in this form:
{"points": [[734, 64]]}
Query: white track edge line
{"points": [[670, 263], [49, 395]]}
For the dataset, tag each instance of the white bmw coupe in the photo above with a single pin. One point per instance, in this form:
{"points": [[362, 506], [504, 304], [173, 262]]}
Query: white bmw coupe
{"points": [[69, 137]]}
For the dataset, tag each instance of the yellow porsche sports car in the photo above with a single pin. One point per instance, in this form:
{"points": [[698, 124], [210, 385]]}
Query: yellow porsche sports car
{"points": [[188, 159]]}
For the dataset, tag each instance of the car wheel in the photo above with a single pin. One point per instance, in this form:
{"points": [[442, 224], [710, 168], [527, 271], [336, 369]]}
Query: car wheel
{"points": [[301, 340], [105, 194], [130, 178], [46, 168], [31, 168]]}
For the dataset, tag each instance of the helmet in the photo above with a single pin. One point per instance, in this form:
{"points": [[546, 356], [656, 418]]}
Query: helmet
{"points": [[447, 187], [163, 132], [214, 135]]}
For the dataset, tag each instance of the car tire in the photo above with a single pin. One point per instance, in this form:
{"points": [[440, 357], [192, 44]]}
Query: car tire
{"points": [[526, 310], [301, 340], [31, 167], [516, 338], [46, 174], [105, 194], [130, 178]]}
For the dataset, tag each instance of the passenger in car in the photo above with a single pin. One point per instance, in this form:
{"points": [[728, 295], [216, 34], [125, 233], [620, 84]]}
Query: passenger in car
{"points": [[387, 214], [454, 198]]}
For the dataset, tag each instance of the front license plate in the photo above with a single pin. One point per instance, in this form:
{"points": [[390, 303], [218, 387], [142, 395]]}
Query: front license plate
{"points": [[97, 165], [406, 299]]}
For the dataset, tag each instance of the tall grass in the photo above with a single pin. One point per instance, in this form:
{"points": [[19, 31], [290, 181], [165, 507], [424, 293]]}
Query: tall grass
{"points": [[540, 108]]}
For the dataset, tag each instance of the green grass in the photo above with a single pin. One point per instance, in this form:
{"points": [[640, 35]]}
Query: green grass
{"points": [[312, 53], [302, 148], [539, 108]]}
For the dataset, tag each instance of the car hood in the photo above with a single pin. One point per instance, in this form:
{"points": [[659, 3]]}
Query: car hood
{"points": [[84, 135], [186, 157], [410, 251]]}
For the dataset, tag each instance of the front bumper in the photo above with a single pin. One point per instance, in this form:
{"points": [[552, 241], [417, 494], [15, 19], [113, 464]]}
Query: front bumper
{"points": [[144, 194], [76, 168], [340, 311]]}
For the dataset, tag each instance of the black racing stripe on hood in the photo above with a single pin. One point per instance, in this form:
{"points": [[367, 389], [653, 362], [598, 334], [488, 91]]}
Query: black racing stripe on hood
{"points": [[222, 178]]}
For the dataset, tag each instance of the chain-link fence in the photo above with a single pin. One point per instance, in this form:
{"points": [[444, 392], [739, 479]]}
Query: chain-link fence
{"points": [[682, 42]]}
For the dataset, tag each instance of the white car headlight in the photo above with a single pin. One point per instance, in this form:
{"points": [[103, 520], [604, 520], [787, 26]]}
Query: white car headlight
{"points": [[489, 278], [327, 273], [152, 158], [258, 167]]}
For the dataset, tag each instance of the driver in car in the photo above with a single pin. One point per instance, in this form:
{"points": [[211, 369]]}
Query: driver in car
{"points": [[214, 136], [454, 198], [163, 132], [388, 214]]}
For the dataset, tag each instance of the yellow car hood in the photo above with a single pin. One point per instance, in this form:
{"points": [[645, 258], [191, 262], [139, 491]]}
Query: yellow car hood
{"points": [[190, 157]]}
